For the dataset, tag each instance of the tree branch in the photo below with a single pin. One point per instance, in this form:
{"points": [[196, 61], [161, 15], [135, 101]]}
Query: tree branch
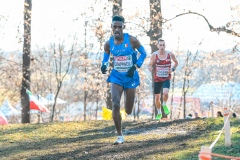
{"points": [[212, 29]]}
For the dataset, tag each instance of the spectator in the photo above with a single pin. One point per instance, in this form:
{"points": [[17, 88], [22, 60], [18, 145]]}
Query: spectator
{"points": [[234, 115], [189, 116], [219, 114], [196, 115]]}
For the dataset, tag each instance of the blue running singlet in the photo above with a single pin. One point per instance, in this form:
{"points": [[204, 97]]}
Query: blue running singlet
{"points": [[124, 57]]}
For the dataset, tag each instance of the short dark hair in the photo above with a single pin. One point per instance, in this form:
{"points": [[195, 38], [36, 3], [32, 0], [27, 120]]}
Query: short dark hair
{"points": [[160, 40], [234, 115], [118, 18]]}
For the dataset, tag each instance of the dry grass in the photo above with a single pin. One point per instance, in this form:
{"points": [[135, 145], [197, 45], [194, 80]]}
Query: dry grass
{"points": [[180, 139]]}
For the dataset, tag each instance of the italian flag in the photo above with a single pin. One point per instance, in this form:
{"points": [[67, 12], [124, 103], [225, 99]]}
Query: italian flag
{"points": [[35, 104], [3, 119]]}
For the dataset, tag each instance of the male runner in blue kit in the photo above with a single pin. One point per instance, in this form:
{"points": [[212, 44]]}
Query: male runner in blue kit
{"points": [[124, 76]]}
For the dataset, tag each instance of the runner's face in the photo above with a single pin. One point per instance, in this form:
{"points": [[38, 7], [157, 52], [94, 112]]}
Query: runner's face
{"points": [[117, 28], [161, 45]]}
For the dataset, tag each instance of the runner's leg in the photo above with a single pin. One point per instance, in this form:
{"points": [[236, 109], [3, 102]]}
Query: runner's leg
{"points": [[157, 101], [116, 92], [129, 98], [165, 95], [157, 89], [166, 86]]}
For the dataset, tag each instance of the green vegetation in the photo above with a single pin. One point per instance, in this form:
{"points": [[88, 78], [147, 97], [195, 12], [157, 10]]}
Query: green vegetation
{"points": [[144, 139]]}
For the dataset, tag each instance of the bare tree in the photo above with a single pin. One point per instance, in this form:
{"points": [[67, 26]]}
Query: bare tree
{"points": [[26, 77], [211, 27], [100, 34], [157, 21], [117, 10], [173, 83], [60, 75], [188, 70], [155, 33], [85, 71], [117, 7]]}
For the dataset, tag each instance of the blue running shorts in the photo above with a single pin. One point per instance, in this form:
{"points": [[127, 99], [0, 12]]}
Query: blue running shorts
{"points": [[123, 80]]}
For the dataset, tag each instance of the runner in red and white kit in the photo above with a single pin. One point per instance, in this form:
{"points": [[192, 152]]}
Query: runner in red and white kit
{"points": [[160, 63]]}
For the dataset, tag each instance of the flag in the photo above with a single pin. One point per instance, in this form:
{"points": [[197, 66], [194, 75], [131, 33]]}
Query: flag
{"points": [[35, 104], [3, 119]]}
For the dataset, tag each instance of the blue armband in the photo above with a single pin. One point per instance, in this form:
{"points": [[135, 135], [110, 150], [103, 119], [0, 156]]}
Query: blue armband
{"points": [[142, 56], [105, 58]]}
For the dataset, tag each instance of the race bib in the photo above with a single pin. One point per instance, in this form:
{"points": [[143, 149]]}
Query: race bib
{"points": [[123, 63], [162, 72]]}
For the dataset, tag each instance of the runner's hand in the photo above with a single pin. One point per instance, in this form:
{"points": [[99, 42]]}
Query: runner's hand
{"points": [[169, 71], [104, 69], [131, 71]]}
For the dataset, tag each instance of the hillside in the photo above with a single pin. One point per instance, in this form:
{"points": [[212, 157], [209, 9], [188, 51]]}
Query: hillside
{"points": [[148, 139]]}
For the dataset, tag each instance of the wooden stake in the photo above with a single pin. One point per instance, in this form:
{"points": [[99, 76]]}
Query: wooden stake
{"points": [[205, 153], [227, 127]]}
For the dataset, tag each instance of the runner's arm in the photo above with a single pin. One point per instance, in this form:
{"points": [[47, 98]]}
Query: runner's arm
{"points": [[150, 65], [136, 44], [106, 54], [174, 59]]}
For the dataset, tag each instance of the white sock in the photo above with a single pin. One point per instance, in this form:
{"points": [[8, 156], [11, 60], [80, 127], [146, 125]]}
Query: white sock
{"points": [[159, 111], [164, 103]]}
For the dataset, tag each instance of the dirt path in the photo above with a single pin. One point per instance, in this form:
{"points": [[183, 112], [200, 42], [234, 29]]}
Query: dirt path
{"points": [[146, 140]]}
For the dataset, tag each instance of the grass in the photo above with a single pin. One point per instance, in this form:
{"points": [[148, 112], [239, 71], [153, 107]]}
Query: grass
{"points": [[145, 139]]}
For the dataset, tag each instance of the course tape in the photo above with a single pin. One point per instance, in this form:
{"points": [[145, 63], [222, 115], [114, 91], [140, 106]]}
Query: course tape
{"points": [[211, 146], [221, 156], [207, 155]]}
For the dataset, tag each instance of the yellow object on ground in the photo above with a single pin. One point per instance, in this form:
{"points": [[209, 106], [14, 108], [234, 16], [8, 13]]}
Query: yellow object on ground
{"points": [[107, 113]]}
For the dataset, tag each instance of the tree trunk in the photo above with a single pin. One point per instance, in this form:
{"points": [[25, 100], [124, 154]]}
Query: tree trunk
{"points": [[155, 33], [185, 99], [55, 100], [85, 79], [184, 94], [96, 111], [139, 100], [116, 10], [85, 106], [117, 7], [173, 79], [26, 79]]}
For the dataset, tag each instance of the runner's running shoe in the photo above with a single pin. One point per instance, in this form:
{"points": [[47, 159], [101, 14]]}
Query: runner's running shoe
{"points": [[119, 140], [166, 109], [159, 116]]}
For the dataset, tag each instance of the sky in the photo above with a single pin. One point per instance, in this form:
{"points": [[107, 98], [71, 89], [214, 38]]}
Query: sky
{"points": [[53, 20]]}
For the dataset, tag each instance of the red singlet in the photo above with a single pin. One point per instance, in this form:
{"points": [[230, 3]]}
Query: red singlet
{"points": [[162, 68]]}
